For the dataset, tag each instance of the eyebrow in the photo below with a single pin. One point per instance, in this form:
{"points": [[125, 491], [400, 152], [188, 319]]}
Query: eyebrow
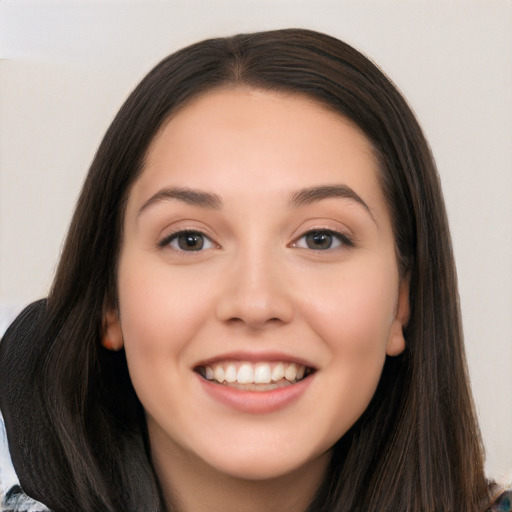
{"points": [[186, 195], [311, 195], [303, 197]]}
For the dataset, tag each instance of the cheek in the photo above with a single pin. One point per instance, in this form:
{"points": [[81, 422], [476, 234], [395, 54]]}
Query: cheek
{"points": [[354, 309], [353, 316], [160, 312]]}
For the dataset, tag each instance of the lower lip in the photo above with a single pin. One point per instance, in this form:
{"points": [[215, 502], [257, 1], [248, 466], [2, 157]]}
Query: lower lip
{"points": [[256, 402]]}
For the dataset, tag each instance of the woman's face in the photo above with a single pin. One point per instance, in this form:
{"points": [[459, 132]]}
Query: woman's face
{"points": [[258, 286]]}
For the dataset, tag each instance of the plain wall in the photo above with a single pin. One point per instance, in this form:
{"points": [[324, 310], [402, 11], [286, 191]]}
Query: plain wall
{"points": [[67, 66]]}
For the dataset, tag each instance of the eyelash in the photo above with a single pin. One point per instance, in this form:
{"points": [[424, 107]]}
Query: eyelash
{"points": [[168, 240], [342, 240]]}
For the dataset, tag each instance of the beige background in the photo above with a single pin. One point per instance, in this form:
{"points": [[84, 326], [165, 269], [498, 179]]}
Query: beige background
{"points": [[67, 66]]}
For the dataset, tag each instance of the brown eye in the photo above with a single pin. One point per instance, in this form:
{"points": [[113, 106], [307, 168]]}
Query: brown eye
{"points": [[190, 241], [187, 241], [319, 240], [323, 239]]}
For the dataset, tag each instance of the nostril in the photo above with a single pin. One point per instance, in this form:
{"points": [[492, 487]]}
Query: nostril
{"points": [[256, 305], [235, 320]]}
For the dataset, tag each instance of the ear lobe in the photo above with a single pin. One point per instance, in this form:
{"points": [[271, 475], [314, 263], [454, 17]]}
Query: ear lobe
{"points": [[112, 335], [396, 342]]}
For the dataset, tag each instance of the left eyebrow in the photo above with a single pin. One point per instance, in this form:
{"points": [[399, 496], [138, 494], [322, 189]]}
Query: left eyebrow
{"points": [[311, 195], [185, 195]]}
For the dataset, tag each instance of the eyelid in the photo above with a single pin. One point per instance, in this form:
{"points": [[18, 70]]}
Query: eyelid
{"points": [[168, 238], [343, 239]]}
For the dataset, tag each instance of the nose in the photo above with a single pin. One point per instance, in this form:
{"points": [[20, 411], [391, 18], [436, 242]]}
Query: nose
{"points": [[255, 293]]}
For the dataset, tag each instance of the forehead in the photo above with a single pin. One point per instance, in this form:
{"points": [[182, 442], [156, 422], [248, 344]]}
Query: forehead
{"points": [[230, 137]]}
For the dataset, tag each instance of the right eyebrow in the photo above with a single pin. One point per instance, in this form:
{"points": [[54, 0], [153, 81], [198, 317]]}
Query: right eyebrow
{"points": [[186, 195], [312, 195]]}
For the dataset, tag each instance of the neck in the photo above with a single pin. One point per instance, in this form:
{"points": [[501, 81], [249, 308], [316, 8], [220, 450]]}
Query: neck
{"points": [[190, 485]]}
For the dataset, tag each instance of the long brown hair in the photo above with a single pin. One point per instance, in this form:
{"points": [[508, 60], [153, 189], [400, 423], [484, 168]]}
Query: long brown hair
{"points": [[75, 424]]}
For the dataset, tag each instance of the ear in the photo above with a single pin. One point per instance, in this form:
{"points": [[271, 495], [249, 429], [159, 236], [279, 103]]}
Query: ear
{"points": [[396, 341], [112, 335]]}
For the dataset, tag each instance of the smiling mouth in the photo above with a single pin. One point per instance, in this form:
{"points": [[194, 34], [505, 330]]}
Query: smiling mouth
{"points": [[263, 376]]}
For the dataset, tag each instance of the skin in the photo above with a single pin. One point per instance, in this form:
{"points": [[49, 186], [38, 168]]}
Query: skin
{"points": [[257, 287]]}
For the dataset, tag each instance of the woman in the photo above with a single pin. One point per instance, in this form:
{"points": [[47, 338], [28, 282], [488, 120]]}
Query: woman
{"points": [[256, 304]]}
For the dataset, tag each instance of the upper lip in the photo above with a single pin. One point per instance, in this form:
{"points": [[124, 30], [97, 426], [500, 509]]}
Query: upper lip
{"points": [[256, 357]]}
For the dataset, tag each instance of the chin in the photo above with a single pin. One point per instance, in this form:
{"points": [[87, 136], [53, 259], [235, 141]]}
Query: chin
{"points": [[260, 467]]}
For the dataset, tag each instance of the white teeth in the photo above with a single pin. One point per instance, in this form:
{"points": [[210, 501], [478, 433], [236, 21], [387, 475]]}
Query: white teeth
{"points": [[245, 374], [290, 372], [218, 373], [278, 372], [249, 373], [262, 374], [230, 374]]}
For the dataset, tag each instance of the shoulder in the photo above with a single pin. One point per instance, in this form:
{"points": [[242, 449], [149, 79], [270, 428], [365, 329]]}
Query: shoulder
{"points": [[503, 503], [17, 415], [12, 497]]}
